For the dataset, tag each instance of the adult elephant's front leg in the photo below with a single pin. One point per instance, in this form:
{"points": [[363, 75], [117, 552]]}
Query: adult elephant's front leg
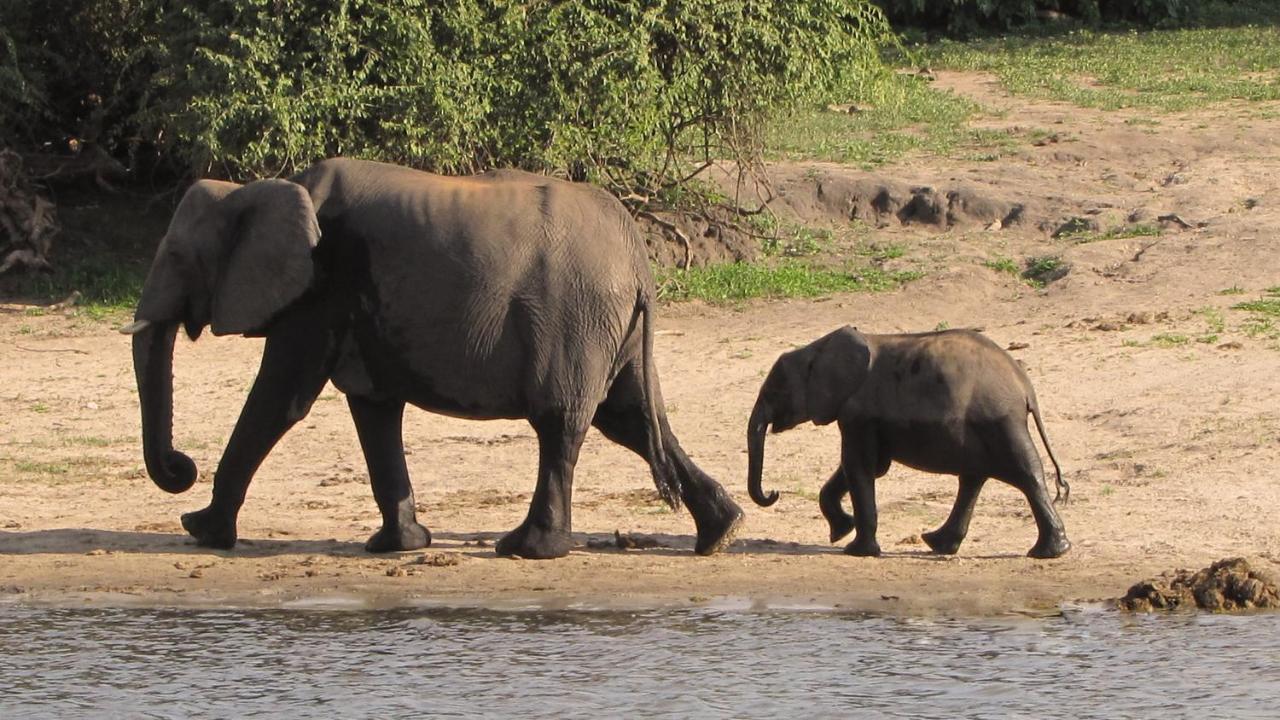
{"points": [[857, 461], [545, 532], [380, 427], [295, 366]]}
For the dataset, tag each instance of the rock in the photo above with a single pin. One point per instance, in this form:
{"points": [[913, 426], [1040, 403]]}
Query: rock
{"points": [[1173, 221], [635, 542], [1076, 226]]}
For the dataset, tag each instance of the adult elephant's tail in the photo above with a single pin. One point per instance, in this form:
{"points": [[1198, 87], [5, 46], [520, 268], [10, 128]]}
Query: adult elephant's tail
{"points": [[666, 481]]}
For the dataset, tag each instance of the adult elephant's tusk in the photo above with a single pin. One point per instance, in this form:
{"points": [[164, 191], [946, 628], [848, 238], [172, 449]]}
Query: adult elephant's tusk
{"points": [[135, 327]]}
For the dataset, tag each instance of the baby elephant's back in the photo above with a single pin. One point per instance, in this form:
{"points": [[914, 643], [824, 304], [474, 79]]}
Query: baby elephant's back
{"points": [[957, 375]]}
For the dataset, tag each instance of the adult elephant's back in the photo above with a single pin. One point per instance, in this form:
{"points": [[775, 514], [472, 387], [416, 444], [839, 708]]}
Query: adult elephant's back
{"points": [[483, 295]]}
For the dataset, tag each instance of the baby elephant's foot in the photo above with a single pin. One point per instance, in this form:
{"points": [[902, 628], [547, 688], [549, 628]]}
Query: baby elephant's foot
{"points": [[942, 542], [211, 528], [1055, 546], [397, 538], [863, 548], [534, 543]]}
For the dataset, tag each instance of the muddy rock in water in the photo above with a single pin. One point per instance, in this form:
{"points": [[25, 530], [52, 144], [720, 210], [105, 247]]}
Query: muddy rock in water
{"points": [[1225, 586]]}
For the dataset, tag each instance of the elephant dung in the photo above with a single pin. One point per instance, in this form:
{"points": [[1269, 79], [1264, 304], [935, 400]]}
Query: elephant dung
{"points": [[1225, 586]]}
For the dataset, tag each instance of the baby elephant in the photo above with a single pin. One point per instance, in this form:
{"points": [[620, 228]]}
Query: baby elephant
{"points": [[944, 402]]}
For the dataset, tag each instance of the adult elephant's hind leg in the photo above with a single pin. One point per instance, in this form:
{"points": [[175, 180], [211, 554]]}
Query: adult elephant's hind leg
{"points": [[623, 418], [946, 539], [831, 502], [546, 531], [1027, 474], [380, 427]]}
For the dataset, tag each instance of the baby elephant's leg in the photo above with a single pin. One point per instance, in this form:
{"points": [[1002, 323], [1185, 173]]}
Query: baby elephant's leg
{"points": [[947, 538], [831, 500]]}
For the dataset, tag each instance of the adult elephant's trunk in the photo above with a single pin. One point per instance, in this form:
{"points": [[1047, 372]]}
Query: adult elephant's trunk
{"points": [[761, 416], [171, 470]]}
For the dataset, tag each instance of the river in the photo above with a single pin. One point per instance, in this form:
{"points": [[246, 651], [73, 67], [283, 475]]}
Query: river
{"points": [[714, 663]]}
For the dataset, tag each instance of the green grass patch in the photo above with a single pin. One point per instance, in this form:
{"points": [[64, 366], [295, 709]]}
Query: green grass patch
{"points": [[1169, 340], [882, 252], [1266, 306], [1128, 231], [107, 286], [92, 441], [1213, 318], [41, 468], [1044, 269], [1164, 70], [897, 116], [1264, 315], [796, 241], [1003, 265], [744, 281]]}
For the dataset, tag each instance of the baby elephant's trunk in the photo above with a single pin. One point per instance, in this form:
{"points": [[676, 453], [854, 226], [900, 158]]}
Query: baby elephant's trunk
{"points": [[761, 416]]}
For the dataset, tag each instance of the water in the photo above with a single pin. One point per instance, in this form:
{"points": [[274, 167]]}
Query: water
{"points": [[91, 663]]}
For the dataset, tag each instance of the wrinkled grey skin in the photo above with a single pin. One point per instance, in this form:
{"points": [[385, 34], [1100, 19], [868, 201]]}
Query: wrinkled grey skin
{"points": [[504, 295], [945, 402]]}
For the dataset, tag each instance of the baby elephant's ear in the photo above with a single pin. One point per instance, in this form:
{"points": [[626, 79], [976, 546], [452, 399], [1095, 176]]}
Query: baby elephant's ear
{"points": [[840, 365]]}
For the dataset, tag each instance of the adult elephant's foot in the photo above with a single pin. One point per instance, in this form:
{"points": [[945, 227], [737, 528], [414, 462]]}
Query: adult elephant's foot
{"points": [[534, 543], [1054, 546], [396, 538], [717, 524], [942, 542], [863, 547], [211, 528], [840, 525]]}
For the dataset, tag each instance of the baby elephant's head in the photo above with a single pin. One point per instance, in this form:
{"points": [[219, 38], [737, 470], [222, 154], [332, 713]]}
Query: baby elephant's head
{"points": [[808, 384]]}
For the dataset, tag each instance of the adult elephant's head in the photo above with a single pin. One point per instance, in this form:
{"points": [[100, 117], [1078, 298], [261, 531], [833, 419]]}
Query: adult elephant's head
{"points": [[233, 258], [808, 384]]}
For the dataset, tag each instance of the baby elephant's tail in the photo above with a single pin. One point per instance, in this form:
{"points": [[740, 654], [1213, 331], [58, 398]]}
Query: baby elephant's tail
{"points": [[1063, 489]]}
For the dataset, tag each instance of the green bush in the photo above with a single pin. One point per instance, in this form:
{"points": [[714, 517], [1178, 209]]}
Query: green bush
{"points": [[623, 91]]}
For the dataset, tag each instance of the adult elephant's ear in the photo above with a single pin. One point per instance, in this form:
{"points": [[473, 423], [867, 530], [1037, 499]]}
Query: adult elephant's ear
{"points": [[272, 232], [839, 368]]}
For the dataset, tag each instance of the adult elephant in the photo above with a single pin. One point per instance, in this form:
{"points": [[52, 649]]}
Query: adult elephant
{"points": [[503, 295]]}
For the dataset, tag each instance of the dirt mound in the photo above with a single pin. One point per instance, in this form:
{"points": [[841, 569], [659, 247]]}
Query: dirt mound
{"points": [[882, 201], [688, 239], [1224, 586]]}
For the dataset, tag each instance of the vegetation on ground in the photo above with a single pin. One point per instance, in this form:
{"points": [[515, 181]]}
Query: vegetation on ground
{"points": [[743, 281], [1163, 70], [1263, 320], [1218, 51]]}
